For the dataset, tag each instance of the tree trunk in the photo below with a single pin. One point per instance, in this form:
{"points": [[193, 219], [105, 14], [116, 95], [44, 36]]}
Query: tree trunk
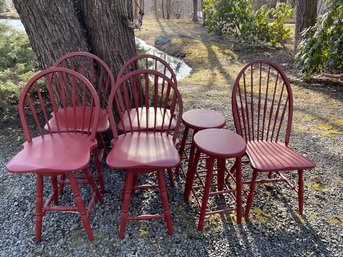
{"points": [[306, 16], [108, 33], [168, 9], [162, 8], [57, 27], [52, 27], [195, 10]]}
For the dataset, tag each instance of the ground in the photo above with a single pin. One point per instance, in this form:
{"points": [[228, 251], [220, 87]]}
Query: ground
{"points": [[275, 228]]}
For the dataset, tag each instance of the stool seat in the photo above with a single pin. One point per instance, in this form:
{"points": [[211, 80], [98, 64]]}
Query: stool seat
{"points": [[199, 119], [220, 143]]}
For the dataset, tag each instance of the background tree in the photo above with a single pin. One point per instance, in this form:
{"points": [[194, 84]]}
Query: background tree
{"points": [[306, 15], [195, 10], [57, 27]]}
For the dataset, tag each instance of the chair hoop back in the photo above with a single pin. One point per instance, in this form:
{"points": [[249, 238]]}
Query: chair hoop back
{"points": [[93, 68], [262, 102], [142, 97], [148, 61], [53, 90]]}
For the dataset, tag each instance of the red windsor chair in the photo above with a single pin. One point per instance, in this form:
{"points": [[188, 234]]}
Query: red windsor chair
{"points": [[150, 62], [64, 152], [145, 148], [262, 106], [99, 74]]}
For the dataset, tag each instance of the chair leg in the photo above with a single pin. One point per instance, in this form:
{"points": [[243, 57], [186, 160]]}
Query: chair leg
{"points": [[171, 177], [251, 195], [93, 184], [126, 203], [80, 205], [239, 182], [182, 147], [39, 207], [301, 191], [164, 199], [62, 179], [99, 176], [209, 168], [190, 177], [54, 189], [102, 144]]}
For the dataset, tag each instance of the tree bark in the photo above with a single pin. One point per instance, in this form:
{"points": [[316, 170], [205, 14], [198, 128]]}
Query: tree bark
{"points": [[195, 10], [52, 27], [306, 16], [56, 27], [108, 33]]}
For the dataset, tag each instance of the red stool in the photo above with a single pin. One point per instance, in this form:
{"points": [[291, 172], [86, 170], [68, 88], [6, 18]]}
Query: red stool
{"points": [[216, 144], [198, 119]]}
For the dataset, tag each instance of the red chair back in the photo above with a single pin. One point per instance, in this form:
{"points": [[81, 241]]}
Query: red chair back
{"points": [[53, 89], [152, 96], [150, 62], [93, 68], [262, 103]]}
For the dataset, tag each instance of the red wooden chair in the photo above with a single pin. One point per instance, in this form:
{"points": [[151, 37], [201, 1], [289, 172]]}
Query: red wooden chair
{"points": [[150, 62], [99, 74], [262, 106], [147, 148], [50, 154]]}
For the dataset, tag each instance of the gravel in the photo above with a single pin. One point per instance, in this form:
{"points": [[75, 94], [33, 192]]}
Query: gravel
{"points": [[275, 228]]}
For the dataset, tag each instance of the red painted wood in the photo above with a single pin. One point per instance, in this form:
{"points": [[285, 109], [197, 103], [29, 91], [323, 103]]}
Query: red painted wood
{"points": [[262, 108], [216, 144], [99, 74], [49, 153], [142, 146]]}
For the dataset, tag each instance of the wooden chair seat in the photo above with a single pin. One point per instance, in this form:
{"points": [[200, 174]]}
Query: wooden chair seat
{"points": [[144, 118], [58, 152], [143, 150], [271, 156]]}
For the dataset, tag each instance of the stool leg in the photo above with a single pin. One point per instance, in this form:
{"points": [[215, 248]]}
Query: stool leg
{"points": [[191, 154], [221, 174], [126, 203], [190, 177], [164, 199], [80, 205], [209, 167], [239, 190], [182, 147], [39, 207]]}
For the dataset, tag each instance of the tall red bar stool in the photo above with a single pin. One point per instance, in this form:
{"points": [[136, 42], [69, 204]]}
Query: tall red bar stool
{"points": [[220, 145], [197, 119]]}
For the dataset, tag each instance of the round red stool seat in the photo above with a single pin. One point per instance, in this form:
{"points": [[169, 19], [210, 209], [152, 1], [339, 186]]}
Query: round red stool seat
{"points": [[198, 119], [216, 144]]}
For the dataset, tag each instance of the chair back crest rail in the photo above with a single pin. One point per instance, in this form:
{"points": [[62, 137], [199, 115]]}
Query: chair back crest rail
{"points": [[262, 103], [150, 62]]}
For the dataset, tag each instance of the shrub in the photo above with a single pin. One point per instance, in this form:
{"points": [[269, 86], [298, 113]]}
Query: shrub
{"points": [[17, 65], [322, 48], [237, 18]]}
